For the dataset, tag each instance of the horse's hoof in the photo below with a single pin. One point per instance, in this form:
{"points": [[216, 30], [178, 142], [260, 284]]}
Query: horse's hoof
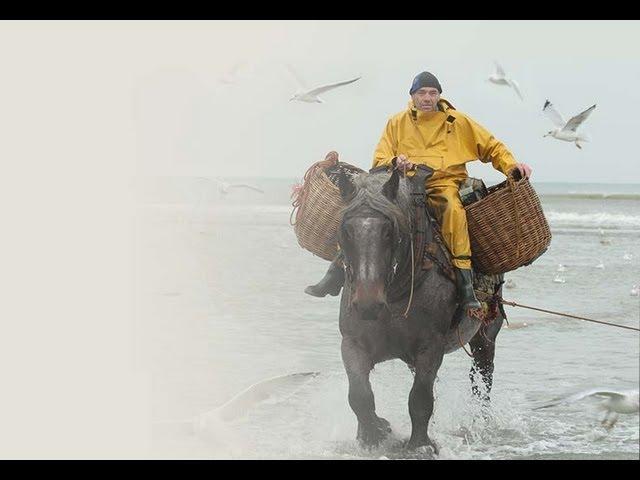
{"points": [[383, 424], [427, 447], [373, 435]]}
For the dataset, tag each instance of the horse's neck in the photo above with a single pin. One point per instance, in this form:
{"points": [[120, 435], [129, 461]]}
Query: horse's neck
{"points": [[409, 257]]}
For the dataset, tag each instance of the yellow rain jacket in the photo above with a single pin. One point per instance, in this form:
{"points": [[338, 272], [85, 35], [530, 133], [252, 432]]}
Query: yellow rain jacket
{"points": [[444, 141]]}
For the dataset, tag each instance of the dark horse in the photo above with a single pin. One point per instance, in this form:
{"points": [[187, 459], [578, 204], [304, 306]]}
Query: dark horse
{"points": [[383, 317]]}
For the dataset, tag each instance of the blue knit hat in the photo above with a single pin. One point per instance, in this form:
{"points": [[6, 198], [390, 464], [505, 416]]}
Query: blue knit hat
{"points": [[424, 79]]}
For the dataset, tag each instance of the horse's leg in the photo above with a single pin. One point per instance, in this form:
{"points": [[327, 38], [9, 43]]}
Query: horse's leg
{"points": [[483, 349], [371, 428], [427, 363]]}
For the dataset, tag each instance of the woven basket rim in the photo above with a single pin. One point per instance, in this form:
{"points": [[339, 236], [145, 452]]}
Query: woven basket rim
{"points": [[496, 188]]}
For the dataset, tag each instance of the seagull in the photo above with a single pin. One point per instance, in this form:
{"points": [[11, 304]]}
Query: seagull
{"points": [[215, 423], [561, 268], [604, 240], [635, 291], [311, 95], [510, 284], [257, 393], [223, 190], [231, 77], [600, 265], [566, 131], [615, 402], [627, 256], [559, 279], [224, 187], [499, 78]]}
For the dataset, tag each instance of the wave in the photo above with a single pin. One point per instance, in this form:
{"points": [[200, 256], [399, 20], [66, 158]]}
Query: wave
{"points": [[592, 196], [604, 220], [556, 219]]}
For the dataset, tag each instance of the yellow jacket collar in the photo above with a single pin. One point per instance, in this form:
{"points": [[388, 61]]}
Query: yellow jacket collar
{"points": [[443, 106]]}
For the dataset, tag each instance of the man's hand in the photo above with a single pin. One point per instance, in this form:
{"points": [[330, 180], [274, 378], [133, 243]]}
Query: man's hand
{"points": [[524, 169], [403, 163]]}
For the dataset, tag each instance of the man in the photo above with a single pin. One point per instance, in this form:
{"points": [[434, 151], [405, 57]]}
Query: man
{"points": [[432, 132]]}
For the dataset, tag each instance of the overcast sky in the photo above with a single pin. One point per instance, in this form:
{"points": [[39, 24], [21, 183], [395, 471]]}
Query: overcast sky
{"points": [[149, 92], [188, 122]]}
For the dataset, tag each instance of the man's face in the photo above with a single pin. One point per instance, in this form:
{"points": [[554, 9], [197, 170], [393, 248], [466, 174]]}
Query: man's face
{"points": [[426, 99]]}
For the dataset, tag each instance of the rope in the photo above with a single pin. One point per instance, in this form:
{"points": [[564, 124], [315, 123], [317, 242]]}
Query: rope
{"points": [[413, 268], [514, 304], [460, 342]]}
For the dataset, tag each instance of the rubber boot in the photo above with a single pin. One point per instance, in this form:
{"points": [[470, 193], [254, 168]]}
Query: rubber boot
{"points": [[332, 282], [464, 282]]}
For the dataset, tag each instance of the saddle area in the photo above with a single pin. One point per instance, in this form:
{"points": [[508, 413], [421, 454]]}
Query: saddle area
{"points": [[436, 254], [487, 287], [506, 224]]}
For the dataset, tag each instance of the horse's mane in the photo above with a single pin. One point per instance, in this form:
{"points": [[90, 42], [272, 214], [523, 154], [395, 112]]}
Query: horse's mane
{"points": [[369, 194]]}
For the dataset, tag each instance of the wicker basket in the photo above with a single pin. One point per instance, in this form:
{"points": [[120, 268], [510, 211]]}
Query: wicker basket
{"points": [[318, 207], [507, 228]]}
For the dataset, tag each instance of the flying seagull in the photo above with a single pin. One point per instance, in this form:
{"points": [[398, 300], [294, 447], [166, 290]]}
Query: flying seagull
{"points": [[216, 422], [307, 95], [225, 187], [614, 403], [564, 130], [257, 393], [230, 77], [500, 78]]}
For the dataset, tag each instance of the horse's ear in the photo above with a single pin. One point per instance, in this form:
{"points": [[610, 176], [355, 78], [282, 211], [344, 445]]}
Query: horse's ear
{"points": [[347, 189], [390, 188]]}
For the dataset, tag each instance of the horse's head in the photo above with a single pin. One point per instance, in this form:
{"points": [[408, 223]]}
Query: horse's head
{"points": [[374, 236]]}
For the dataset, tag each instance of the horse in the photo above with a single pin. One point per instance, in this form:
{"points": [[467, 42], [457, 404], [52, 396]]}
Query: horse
{"points": [[386, 313]]}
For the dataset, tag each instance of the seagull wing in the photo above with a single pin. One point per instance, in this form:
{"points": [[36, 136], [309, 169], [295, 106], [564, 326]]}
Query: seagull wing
{"points": [[576, 121], [261, 391], [499, 69], [594, 392], [297, 77], [514, 85], [246, 186], [326, 88], [555, 116], [616, 395]]}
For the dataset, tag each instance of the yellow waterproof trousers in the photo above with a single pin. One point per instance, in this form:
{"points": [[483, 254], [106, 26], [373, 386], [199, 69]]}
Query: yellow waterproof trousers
{"points": [[444, 202]]}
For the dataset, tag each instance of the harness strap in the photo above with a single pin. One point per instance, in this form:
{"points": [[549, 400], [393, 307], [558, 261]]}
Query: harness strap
{"points": [[418, 241], [422, 216]]}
